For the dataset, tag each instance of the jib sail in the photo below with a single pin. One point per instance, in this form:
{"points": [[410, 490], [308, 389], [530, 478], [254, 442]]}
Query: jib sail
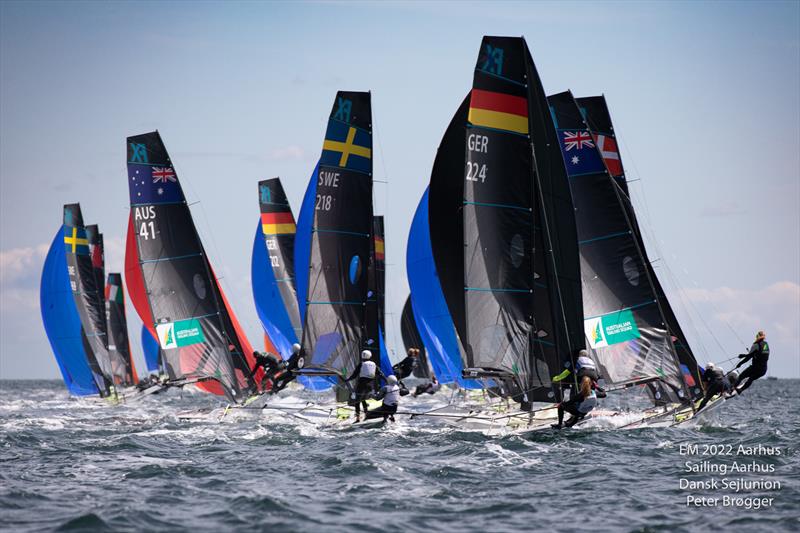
{"points": [[334, 329], [521, 271], [119, 348], [172, 284], [412, 340], [595, 111], [273, 274]]}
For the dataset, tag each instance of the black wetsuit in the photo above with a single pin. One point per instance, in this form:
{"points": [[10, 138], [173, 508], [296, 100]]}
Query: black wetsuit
{"points": [[404, 368], [286, 374], [759, 353], [364, 388], [428, 388], [716, 383]]}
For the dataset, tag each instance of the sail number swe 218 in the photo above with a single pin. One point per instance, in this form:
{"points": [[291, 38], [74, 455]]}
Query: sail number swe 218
{"points": [[477, 144], [329, 179], [145, 217]]}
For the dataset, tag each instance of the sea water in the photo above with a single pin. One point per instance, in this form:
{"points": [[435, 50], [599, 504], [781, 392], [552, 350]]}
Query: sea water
{"points": [[177, 461]]}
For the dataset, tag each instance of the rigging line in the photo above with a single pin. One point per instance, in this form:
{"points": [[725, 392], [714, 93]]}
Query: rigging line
{"points": [[648, 219]]}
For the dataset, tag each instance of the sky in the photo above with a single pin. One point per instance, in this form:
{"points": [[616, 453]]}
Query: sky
{"points": [[704, 98]]}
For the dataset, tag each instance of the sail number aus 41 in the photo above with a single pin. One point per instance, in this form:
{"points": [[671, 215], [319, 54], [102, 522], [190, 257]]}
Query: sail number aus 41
{"points": [[145, 216]]}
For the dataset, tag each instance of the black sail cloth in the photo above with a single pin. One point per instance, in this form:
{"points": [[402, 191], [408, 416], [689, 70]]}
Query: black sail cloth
{"points": [[335, 330]]}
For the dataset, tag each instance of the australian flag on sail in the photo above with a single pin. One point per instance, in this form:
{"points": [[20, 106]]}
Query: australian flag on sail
{"points": [[347, 147], [153, 184], [580, 153]]}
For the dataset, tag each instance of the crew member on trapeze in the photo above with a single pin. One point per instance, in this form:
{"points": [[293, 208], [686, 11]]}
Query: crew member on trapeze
{"points": [[716, 383], [759, 354]]}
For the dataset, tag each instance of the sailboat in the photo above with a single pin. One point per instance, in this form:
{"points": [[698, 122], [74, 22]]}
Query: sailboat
{"points": [[512, 286], [123, 370], [73, 311], [172, 284]]}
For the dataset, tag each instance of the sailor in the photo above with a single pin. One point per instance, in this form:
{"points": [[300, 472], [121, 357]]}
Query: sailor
{"points": [[759, 354], [288, 371], [428, 388], [365, 371], [716, 383], [585, 367], [390, 394], [404, 368], [733, 378], [579, 406], [269, 363]]}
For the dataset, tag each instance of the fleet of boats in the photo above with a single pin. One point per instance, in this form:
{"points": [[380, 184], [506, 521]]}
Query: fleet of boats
{"points": [[524, 249]]}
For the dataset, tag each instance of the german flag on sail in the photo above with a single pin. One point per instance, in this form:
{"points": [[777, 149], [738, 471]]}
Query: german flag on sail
{"points": [[498, 111], [277, 223], [379, 249]]}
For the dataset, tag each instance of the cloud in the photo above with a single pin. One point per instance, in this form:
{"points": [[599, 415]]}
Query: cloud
{"points": [[734, 314], [291, 152], [19, 267]]}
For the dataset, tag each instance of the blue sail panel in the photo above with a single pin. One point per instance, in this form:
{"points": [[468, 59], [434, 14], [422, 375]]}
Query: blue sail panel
{"points": [[62, 322], [150, 348], [430, 308], [386, 363], [267, 296]]}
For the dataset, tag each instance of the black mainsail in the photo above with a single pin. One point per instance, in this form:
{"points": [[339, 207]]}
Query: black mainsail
{"points": [[335, 322], [172, 284], [624, 325], [598, 119], [521, 269]]}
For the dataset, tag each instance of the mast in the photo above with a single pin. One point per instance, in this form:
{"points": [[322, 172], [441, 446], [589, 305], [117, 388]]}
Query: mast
{"points": [[334, 329], [172, 283]]}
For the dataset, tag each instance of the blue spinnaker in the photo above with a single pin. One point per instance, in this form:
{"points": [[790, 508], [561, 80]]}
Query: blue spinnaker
{"points": [[386, 363], [62, 322], [150, 348], [267, 296], [430, 308]]}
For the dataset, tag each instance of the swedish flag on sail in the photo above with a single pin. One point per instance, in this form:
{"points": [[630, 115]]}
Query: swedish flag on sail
{"points": [[75, 240], [347, 147]]}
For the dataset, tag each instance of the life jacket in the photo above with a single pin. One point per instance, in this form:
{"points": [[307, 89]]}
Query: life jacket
{"points": [[584, 362], [392, 396], [367, 369]]}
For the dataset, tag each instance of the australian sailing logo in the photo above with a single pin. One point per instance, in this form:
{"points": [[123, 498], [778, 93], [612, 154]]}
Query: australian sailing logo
{"points": [[611, 329], [180, 333]]}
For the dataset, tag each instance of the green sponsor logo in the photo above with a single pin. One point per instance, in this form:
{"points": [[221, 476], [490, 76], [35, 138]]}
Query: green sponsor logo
{"points": [[180, 333], [188, 332], [611, 329]]}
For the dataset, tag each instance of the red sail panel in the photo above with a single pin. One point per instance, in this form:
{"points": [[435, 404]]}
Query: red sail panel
{"points": [[134, 280], [247, 348]]}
